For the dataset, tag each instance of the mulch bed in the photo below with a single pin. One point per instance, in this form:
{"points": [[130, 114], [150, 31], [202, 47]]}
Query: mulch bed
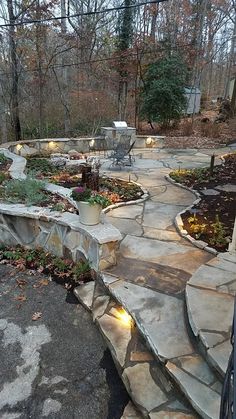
{"points": [[194, 142], [5, 163], [211, 220], [55, 202]]}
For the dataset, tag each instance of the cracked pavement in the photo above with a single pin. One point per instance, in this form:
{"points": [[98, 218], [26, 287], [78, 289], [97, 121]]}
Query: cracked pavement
{"points": [[57, 366]]}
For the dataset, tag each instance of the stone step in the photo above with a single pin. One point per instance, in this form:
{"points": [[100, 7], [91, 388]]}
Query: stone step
{"points": [[210, 304], [160, 320], [145, 379]]}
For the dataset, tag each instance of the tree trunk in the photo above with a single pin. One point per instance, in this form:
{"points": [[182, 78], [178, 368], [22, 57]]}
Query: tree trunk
{"points": [[38, 41], [154, 21], [233, 100], [14, 75], [125, 39], [232, 61], [64, 84], [122, 98]]}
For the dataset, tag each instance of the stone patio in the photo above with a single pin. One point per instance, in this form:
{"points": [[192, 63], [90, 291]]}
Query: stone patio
{"points": [[172, 356], [155, 265]]}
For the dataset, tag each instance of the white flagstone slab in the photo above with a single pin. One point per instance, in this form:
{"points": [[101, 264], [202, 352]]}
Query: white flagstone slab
{"points": [[160, 318]]}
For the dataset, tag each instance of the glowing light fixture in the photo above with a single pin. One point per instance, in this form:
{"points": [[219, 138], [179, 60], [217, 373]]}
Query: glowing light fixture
{"points": [[123, 316], [91, 143], [19, 146], [51, 144], [149, 142]]}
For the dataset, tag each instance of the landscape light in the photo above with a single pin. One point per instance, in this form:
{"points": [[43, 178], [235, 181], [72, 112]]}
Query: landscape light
{"points": [[149, 141], [19, 146], [123, 316], [91, 143], [51, 144]]}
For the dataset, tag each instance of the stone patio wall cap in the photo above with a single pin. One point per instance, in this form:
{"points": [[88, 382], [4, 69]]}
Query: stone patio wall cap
{"points": [[101, 233]]}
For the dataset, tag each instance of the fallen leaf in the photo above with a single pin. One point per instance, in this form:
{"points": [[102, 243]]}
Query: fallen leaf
{"points": [[21, 283], [44, 282], [21, 266], [41, 283], [20, 298], [36, 316]]}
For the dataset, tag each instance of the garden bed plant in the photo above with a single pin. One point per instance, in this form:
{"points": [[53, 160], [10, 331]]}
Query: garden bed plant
{"points": [[5, 164], [212, 219], [63, 271], [31, 192], [115, 190]]}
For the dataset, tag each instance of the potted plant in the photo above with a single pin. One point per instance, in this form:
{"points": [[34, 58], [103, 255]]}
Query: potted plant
{"points": [[90, 204]]}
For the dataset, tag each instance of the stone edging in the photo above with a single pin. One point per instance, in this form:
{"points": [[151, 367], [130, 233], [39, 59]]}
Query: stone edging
{"points": [[179, 223]]}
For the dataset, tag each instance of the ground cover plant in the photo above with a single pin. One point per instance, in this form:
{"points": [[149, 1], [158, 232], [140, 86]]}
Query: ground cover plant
{"points": [[41, 166], [64, 271], [212, 219], [31, 192], [5, 164]]}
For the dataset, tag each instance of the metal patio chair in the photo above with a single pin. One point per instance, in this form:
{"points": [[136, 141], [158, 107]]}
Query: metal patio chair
{"points": [[122, 156]]}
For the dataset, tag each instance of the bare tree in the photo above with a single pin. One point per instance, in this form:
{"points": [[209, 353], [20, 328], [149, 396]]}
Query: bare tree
{"points": [[14, 73]]}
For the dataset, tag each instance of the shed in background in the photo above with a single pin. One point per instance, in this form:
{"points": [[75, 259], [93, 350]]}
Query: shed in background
{"points": [[193, 95]]}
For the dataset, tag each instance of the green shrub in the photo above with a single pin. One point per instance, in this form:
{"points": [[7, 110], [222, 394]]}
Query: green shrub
{"points": [[3, 159], [28, 191], [3, 176]]}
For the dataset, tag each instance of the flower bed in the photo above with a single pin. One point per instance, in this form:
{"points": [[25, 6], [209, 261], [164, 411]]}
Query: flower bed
{"points": [[5, 164], [115, 190], [212, 219], [32, 192]]}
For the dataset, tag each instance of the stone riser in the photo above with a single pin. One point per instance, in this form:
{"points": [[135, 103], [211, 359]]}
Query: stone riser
{"points": [[145, 379], [212, 286], [189, 373]]}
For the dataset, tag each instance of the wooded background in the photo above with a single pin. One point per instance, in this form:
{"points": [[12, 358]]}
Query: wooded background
{"points": [[69, 76]]}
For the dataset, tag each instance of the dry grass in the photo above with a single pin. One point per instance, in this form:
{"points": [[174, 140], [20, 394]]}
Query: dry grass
{"points": [[210, 130], [187, 128]]}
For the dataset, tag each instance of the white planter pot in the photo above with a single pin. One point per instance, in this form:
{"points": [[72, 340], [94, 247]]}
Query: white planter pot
{"points": [[89, 214]]}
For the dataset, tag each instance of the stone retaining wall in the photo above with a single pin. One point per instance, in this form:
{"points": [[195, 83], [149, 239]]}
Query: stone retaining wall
{"points": [[82, 145], [60, 233]]}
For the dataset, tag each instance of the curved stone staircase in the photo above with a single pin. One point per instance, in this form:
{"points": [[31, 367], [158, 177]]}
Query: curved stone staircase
{"points": [[169, 369], [172, 360]]}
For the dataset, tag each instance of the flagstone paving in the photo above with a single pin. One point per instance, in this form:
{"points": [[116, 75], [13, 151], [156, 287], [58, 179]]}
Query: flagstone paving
{"points": [[154, 267]]}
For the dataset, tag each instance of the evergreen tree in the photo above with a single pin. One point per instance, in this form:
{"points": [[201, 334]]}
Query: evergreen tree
{"points": [[125, 36], [162, 97]]}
